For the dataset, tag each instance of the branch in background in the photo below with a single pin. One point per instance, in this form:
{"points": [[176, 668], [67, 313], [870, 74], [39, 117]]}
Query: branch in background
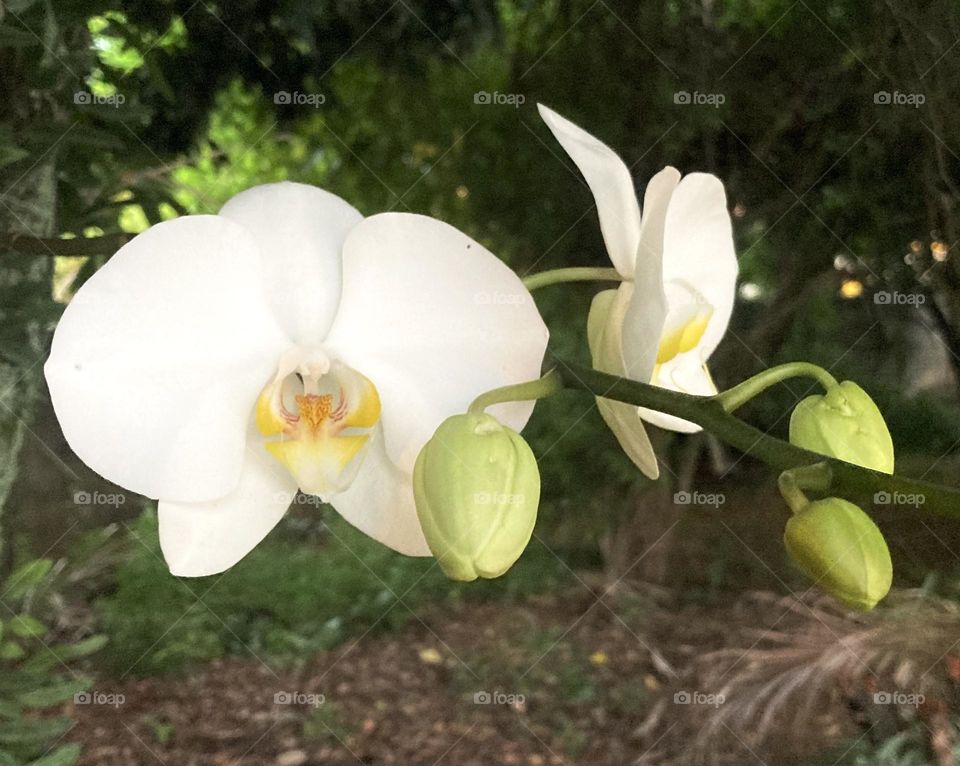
{"points": [[22, 243]]}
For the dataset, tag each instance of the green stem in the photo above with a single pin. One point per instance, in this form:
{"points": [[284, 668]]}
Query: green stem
{"points": [[574, 274], [541, 388], [742, 393], [792, 482], [708, 413]]}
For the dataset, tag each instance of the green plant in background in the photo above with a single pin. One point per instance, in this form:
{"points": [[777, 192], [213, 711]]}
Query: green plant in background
{"points": [[325, 723], [906, 748], [290, 598], [35, 672]]}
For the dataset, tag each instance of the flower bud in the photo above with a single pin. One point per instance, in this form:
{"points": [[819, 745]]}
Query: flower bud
{"points": [[839, 547], [477, 487], [844, 423]]}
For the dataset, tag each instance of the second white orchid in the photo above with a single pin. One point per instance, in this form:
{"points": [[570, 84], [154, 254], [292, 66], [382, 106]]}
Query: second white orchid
{"points": [[679, 272]]}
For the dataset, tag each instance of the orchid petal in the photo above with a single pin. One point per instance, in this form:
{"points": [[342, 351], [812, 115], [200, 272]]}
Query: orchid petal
{"points": [[612, 187], [603, 335], [698, 249], [200, 539], [624, 420], [433, 319], [644, 317], [379, 502], [687, 374], [300, 230], [158, 359]]}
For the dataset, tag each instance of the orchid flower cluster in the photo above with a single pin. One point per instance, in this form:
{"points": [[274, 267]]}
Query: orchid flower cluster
{"points": [[220, 363]]}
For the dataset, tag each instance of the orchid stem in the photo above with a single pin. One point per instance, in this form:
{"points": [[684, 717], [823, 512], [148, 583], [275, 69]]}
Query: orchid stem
{"points": [[742, 393], [709, 413], [574, 274], [541, 388], [794, 481]]}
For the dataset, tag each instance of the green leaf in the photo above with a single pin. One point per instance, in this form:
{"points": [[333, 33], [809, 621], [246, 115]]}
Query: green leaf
{"points": [[28, 732], [26, 578], [27, 626], [43, 661], [65, 755], [82, 648], [10, 650], [54, 694], [10, 711]]}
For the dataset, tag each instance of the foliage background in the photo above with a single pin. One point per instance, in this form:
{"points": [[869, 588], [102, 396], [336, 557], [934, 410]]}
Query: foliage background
{"points": [[115, 116]]}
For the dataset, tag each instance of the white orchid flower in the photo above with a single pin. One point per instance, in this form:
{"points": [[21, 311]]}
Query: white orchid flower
{"points": [[679, 271], [219, 362]]}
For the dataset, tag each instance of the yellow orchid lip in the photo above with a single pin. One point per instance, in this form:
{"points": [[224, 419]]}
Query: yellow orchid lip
{"points": [[686, 322], [320, 433], [685, 335]]}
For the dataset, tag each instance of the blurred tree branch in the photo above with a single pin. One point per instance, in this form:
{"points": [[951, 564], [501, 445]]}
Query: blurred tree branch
{"points": [[29, 245]]}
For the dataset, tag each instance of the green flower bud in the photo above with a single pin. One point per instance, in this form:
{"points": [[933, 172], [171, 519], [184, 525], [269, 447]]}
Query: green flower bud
{"points": [[477, 487], [846, 424], [839, 547]]}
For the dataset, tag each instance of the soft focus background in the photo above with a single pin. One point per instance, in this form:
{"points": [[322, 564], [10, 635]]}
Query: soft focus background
{"points": [[647, 623]]}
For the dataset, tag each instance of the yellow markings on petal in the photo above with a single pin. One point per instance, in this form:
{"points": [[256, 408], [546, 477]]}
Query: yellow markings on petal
{"points": [[320, 429], [367, 412], [269, 410], [318, 465], [684, 332]]}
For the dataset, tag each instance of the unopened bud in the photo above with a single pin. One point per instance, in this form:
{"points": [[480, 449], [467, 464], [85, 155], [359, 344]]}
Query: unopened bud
{"points": [[839, 547], [844, 423], [477, 488]]}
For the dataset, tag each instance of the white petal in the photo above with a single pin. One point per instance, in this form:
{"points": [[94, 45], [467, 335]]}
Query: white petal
{"points": [[656, 200], [157, 361], [685, 373], [698, 248], [200, 539], [644, 316], [609, 180], [603, 323], [624, 420], [433, 319], [300, 230], [380, 502]]}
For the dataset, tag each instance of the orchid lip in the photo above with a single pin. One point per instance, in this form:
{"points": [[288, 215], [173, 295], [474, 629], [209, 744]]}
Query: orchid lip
{"points": [[321, 413]]}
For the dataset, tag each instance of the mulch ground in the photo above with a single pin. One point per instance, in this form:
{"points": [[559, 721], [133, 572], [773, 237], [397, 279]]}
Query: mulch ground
{"points": [[568, 678]]}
